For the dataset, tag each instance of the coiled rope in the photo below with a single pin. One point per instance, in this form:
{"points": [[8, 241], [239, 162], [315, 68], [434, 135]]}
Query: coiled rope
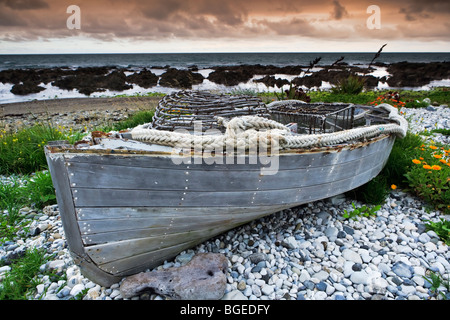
{"points": [[249, 131]]}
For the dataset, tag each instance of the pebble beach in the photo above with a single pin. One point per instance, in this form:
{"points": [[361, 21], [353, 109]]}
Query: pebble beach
{"points": [[308, 252]]}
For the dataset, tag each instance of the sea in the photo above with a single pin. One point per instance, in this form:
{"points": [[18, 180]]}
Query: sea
{"points": [[156, 62]]}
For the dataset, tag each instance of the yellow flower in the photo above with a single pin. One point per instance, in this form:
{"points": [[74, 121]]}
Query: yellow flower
{"points": [[427, 166], [433, 147], [435, 167], [416, 161], [393, 187], [442, 161], [437, 156]]}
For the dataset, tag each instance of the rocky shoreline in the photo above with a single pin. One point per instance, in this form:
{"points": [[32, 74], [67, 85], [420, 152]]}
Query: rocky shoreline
{"points": [[83, 114], [87, 80], [305, 253]]}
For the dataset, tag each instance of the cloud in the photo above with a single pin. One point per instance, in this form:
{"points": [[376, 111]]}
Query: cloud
{"points": [[288, 27], [281, 21], [418, 9], [25, 4], [8, 19], [339, 11]]}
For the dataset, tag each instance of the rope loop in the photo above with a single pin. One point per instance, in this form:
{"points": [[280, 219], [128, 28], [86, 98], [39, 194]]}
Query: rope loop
{"points": [[251, 131]]}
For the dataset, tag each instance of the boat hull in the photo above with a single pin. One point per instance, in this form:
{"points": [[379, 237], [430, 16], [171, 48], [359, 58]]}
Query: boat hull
{"points": [[125, 212]]}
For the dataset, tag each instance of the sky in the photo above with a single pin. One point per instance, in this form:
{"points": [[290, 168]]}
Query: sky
{"points": [[179, 26]]}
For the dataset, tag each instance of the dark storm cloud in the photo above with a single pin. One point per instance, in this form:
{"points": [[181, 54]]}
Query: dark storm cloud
{"points": [[418, 9], [25, 4], [339, 11]]}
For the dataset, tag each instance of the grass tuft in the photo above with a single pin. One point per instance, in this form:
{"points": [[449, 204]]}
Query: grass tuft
{"points": [[21, 280]]}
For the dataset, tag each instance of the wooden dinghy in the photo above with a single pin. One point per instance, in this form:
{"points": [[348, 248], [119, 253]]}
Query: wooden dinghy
{"points": [[129, 201]]}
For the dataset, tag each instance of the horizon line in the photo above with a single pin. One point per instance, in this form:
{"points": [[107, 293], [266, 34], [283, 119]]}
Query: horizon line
{"points": [[221, 52]]}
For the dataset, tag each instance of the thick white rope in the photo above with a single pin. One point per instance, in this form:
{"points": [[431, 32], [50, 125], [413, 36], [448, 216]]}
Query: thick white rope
{"points": [[250, 131]]}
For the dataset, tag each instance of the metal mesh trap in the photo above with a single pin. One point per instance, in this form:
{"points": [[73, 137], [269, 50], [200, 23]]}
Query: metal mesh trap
{"points": [[310, 118], [180, 110]]}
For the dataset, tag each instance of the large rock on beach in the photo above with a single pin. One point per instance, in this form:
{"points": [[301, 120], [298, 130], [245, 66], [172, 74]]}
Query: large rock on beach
{"points": [[230, 76], [407, 74], [202, 278], [88, 81], [183, 79], [270, 81], [26, 87], [144, 78]]}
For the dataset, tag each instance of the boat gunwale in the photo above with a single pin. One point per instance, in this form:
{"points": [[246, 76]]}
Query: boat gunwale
{"points": [[68, 149]]}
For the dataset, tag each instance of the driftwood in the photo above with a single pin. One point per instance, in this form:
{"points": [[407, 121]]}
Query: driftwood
{"points": [[203, 278]]}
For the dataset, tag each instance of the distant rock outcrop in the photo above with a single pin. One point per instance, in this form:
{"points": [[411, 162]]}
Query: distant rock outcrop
{"points": [[407, 74], [144, 79], [182, 79], [88, 80], [26, 87]]}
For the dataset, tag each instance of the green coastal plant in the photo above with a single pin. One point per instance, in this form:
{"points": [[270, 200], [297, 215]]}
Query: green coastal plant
{"points": [[21, 280], [40, 191], [445, 132], [11, 199], [22, 152], [34, 191], [442, 229], [352, 85], [293, 93], [437, 282], [416, 104], [399, 162], [429, 175], [364, 211]]}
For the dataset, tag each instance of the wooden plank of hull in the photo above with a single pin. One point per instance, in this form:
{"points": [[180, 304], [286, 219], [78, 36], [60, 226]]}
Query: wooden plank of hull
{"points": [[108, 230], [85, 175], [288, 160], [119, 254], [142, 198], [150, 259], [106, 213]]}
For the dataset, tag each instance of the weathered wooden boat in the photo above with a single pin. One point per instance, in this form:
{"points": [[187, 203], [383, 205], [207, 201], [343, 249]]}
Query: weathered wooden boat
{"points": [[128, 201]]}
